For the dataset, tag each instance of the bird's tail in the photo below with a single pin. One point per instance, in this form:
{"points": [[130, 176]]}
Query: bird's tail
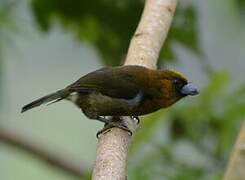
{"points": [[50, 98]]}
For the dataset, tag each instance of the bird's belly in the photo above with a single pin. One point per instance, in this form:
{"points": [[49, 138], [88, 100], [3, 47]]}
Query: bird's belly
{"points": [[147, 107], [96, 104]]}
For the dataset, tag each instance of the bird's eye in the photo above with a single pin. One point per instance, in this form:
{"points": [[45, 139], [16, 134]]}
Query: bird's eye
{"points": [[177, 83]]}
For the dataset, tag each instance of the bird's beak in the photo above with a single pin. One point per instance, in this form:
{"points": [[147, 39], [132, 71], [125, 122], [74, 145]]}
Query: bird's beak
{"points": [[189, 89]]}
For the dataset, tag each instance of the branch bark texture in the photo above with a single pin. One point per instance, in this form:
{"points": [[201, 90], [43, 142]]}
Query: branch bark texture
{"points": [[236, 165], [144, 48]]}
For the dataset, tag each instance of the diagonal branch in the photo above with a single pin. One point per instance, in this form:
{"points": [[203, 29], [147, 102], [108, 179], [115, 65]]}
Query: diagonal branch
{"points": [[112, 148], [236, 166], [52, 159]]}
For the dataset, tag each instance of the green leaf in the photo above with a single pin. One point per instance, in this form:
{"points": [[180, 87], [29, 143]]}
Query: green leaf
{"points": [[109, 25], [241, 7], [184, 31]]}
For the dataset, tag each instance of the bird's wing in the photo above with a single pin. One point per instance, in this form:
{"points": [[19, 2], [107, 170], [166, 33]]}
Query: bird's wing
{"points": [[112, 82]]}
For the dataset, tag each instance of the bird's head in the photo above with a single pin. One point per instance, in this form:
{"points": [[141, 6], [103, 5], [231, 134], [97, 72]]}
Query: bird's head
{"points": [[175, 86]]}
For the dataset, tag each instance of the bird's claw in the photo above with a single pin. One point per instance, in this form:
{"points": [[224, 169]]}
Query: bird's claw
{"points": [[112, 124]]}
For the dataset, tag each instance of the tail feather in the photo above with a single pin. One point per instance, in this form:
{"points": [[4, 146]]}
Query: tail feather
{"points": [[52, 98]]}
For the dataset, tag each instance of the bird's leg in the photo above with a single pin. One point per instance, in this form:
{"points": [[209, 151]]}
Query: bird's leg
{"points": [[112, 122], [105, 119]]}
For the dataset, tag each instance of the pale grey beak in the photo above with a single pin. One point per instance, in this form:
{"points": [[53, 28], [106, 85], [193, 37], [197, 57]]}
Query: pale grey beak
{"points": [[189, 89]]}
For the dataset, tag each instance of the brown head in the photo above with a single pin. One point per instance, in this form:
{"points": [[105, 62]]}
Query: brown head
{"points": [[174, 86]]}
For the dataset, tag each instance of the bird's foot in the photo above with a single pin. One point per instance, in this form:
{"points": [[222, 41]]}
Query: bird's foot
{"points": [[114, 122]]}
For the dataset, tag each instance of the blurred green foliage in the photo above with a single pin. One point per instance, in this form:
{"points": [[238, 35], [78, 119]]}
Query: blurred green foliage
{"points": [[7, 26], [197, 137], [241, 7], [189, 141], [109, 25]]}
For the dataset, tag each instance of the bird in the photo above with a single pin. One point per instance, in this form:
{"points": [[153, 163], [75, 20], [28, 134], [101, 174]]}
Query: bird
{"points": [[129, 90]]}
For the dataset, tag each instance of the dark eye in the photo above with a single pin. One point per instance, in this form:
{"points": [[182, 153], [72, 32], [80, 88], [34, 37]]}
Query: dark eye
{"points": [[176, 81], [178, 84]]}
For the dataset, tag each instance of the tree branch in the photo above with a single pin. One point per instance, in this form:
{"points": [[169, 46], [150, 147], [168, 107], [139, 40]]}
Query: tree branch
{"points": [[112, 148], [236, 165], [52, 159]]}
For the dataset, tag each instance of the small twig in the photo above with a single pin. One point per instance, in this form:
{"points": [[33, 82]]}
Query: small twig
{"points": [[59, 162], [236, 165], [112, 148]]}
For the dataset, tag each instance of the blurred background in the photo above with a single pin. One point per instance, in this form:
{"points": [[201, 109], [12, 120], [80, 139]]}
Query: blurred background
{"points": [[47, 44]]}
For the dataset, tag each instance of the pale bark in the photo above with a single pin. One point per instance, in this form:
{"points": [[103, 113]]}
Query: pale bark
{"points": [[236, 165], [113, 146]]}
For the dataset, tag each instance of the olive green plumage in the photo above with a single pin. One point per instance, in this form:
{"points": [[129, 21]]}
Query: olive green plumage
{"points": [[122, 91]]}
